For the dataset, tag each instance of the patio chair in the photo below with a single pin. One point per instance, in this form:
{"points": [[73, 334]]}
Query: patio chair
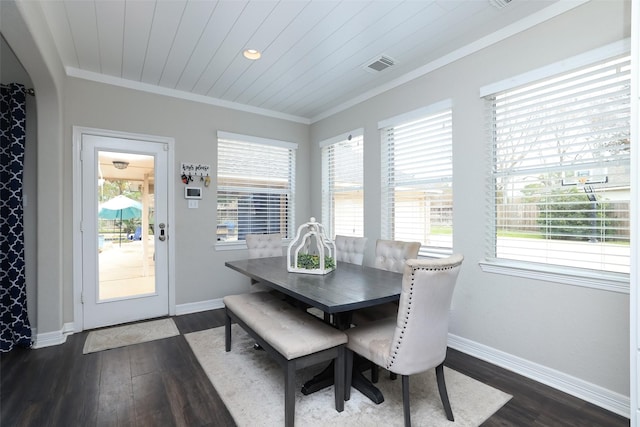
{"points": [[137, 235]]}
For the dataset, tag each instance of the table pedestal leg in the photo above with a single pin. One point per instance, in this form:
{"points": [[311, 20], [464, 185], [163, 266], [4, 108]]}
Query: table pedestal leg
{"points": [[358, 381], [364, 386], [324, 379], [320, 381]]}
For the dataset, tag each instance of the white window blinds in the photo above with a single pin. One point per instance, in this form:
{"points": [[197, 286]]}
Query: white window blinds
{"points": [[560, 182], [255, 186], [342, 185], [417, 174]]}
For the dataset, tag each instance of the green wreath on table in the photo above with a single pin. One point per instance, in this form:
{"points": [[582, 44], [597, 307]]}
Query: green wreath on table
{"points": [[312, 262]]}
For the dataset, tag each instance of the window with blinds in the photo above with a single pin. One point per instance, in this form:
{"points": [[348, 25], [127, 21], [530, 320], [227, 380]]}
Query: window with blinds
{"points": [[255, 187], [417, 177], [560, 182], [342, 184]]}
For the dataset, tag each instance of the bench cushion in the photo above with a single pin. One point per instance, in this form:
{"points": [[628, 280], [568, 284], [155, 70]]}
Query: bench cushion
{"points": [[291, 331]]}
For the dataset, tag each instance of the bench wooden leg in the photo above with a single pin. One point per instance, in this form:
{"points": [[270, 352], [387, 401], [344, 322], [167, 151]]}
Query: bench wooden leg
{"points": [[339, 379], [348, 373], [289, 394], [227, 332]]}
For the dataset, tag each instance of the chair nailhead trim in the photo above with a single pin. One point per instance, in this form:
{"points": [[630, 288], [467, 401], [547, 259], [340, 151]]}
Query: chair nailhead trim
{"points": [[406, 319]]}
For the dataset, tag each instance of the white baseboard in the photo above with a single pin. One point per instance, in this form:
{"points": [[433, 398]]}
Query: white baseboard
{"points": [[581, 389], [49, 339], [195, 307]]}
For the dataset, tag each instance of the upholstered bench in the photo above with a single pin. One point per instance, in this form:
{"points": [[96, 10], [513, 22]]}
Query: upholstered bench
{"points": [[291, 336]]}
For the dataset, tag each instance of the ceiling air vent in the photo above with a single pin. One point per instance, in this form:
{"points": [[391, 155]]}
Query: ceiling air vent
{"points": [[499, 4], [378, 64]]}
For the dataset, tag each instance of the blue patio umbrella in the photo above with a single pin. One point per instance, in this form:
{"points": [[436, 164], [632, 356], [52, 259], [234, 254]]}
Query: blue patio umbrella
{"points": [[120, 207]]}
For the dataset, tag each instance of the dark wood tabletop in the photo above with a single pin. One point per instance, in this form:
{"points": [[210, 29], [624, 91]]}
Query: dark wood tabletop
{"points": [[348, 287]]}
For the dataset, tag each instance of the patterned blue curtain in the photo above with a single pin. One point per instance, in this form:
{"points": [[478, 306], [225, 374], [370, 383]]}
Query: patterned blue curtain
{"points": [[14, 323]]}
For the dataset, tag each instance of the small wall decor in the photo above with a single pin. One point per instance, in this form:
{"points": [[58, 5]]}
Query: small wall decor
{"points": [[195, 171], [311, 252]]}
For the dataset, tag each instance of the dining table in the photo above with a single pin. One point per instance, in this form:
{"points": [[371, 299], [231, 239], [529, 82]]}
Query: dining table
{"points": [[338, 293]]}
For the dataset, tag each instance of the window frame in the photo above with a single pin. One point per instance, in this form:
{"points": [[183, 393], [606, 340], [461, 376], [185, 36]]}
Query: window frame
{"points": [[290, 190], [328, 190], [595, 279], [387, 222]]}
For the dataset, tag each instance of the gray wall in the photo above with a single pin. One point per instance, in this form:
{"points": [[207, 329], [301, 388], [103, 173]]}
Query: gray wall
{"points": [[200, 271], [578, 331]]}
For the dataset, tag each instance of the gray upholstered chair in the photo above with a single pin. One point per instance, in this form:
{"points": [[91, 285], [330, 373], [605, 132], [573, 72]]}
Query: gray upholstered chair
{"points": [[390, 255], [416, 340], [350, 249], [263, 246]]}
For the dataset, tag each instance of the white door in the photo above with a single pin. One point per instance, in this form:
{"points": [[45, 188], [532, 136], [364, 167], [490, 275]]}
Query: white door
{"points": [[124, 230]]}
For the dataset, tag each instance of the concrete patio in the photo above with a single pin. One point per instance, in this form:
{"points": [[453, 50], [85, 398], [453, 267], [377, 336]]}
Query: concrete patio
{"points": [[123, 272]]}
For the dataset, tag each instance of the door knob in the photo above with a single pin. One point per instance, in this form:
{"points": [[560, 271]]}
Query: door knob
{"points": [[162, 236]]}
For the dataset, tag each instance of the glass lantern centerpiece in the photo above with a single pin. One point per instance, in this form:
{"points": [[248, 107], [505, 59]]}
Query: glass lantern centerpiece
{"points": [[311, 252]]}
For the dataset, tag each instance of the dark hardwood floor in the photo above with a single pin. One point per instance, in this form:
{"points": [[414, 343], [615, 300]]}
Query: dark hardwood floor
{"points": [[160, 383]]}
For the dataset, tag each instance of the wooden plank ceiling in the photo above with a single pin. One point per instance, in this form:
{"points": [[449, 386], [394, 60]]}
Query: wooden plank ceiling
{"points": [[314, 53]]}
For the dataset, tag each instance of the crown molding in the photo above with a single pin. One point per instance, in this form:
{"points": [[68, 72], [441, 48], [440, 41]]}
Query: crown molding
{"points": [[174, 93]]}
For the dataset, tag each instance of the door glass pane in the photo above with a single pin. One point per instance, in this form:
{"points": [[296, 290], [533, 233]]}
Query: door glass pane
{"points": [[125, 225]]}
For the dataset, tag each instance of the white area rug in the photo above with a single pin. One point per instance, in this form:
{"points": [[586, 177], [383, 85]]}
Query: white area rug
{"points": [[251, 385], [120, 336]]}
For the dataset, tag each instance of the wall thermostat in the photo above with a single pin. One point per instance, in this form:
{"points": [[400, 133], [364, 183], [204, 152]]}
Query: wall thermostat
{"points": [[193, 192]]}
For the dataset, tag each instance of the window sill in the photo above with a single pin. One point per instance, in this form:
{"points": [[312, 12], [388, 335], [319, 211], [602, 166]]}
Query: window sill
{"points": [[230, 246], [612, 282], [242, 245], [433, 252]]}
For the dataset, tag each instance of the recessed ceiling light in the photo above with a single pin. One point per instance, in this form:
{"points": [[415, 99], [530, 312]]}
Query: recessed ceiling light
{"points": [[252, 54]]}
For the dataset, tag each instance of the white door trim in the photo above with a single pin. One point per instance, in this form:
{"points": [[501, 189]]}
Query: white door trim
{"points": [[78, 131]]}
